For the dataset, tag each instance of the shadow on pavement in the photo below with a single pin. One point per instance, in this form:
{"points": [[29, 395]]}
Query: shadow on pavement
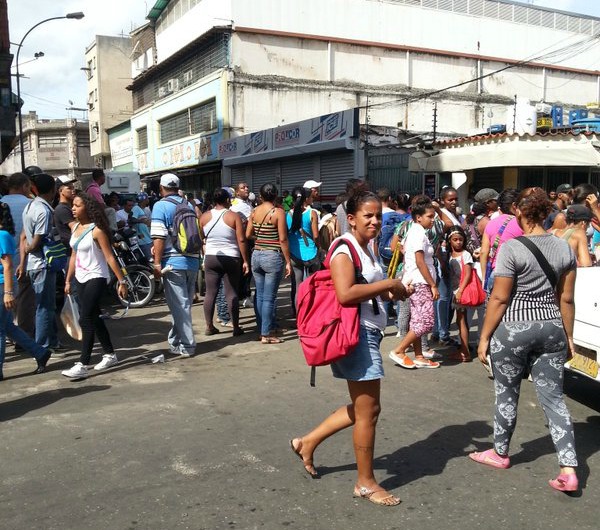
{"points": [[19, 407], [426, 457], [587, 435]]}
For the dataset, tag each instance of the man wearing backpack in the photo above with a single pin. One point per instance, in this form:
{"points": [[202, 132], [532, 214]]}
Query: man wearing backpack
{"points": [[176, 240]]}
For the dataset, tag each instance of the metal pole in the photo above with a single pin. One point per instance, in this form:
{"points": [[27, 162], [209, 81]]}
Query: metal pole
{"points": [[76, 16]]}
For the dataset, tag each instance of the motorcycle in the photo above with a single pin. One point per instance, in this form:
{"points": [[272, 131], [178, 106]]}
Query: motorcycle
{"points": [[136, 269]]}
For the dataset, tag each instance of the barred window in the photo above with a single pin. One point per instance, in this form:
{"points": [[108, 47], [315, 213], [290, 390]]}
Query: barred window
{"points": [[195, 120], [142, 138]]}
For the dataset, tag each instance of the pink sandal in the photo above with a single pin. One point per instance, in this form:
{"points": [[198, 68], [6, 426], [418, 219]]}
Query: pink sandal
{"points": [[565, 482], [491, 458]]}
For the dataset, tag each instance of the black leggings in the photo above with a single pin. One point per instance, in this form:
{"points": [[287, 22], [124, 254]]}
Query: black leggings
{"points": [[230, 269], [89, 294]]}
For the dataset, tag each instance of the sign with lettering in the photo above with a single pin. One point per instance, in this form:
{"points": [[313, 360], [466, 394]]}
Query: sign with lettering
{"points": [[187, 153], [327, 128]]}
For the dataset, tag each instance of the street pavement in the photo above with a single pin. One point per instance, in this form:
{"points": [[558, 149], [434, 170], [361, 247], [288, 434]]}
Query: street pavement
{"points": [[203, 443]]}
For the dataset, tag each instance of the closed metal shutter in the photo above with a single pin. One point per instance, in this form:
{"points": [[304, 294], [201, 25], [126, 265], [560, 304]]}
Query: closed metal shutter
{"points": [[492, 177], [263, 173], [296, 171], [238, 174], [336, 169]]}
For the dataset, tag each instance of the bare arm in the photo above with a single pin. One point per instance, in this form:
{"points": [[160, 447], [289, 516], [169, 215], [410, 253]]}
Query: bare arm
{"points": [[468, 268], [484, 255], [9, 296], [496, 307], [23, 256], [349, 292], [314, 227], [70, 272], [566, 299], [581, 250], [242, 243], [283, 239], [102, 239]]}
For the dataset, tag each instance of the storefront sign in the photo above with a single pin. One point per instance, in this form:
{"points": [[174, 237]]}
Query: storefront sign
{"points": [[327, 128], [187, 153], [121, 149]]}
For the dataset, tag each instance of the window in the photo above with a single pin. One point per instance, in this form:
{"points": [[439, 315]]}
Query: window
{"points": [[95, 94], [51, 140], [142, 138], [90, 73], [195, 120], [91, 100]]}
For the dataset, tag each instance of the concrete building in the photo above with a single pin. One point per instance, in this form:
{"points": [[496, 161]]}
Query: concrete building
{"points": [[108, 69], [8, 102], [57, 146], [218, 69]]}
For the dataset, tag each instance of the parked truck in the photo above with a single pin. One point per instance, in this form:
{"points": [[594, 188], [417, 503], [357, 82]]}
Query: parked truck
{"points": [[122, 182], [586, 332]]}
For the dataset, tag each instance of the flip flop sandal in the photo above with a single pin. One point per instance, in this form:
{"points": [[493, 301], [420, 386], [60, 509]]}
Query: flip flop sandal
{"points": [[366, 493], [491, 458], [306, 463], [271, 340]]}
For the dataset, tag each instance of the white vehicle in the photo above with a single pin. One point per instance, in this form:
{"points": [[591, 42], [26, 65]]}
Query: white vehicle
{"points": [[586, 333]]}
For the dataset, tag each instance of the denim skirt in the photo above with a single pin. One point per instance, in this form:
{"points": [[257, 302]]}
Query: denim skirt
{"points": [[365, 362]]}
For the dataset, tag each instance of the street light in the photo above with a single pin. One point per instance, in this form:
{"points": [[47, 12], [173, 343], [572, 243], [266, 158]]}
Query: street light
{"points": [[77, 16]]}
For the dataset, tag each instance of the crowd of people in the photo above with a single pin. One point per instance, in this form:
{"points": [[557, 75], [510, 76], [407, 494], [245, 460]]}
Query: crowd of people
{"points": [[418, 258]]}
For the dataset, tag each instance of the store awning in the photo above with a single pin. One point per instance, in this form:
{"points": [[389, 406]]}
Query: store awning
{"points": [[558, 150]]}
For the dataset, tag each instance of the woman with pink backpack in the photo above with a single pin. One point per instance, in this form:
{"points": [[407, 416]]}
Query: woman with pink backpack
{"points": [[363, 366]]}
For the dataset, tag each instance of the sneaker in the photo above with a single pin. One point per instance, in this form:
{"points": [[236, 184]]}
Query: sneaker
{"points": [[426, 363], [449, 342], [432, 355], [405, 362], [227, 324], [77, 372], [179, 350], [399, 334], [108, 360]]}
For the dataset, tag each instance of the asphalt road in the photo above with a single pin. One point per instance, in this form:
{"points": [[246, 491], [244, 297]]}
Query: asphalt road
{"points": [[202, 443]]}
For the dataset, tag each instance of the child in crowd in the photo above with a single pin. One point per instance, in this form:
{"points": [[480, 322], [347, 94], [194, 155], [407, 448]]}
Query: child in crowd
{"points": [[461, 268], [419, 271]]}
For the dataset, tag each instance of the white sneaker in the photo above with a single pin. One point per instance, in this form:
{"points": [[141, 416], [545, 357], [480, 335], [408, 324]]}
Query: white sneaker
{"points": [[432, 355], [77, 372], [179, 350], [108, 360]]}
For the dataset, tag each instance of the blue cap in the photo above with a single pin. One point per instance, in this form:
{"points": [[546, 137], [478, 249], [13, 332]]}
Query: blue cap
{"points": [[142, 196]]}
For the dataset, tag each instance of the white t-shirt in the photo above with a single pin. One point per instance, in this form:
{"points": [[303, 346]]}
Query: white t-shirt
{"points": [[372, 272], [123, 216], [416, 240], [90, 262]]}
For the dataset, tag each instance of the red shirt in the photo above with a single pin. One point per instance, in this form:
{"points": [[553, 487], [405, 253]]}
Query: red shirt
{"points": [[93, 190]]}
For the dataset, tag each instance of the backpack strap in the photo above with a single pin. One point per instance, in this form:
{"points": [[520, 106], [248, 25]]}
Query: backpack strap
{"points": [[499, 235], [542, 261], [355, 261]]}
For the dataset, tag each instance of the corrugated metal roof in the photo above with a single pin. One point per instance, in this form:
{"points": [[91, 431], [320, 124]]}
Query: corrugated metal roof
{"points": [[483, 137], [157, 9]]}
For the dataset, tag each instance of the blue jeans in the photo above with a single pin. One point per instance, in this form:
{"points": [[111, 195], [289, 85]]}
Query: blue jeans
{"points": [[16, 334], [179, 294], [222, 311], [442, 309], [267, 268], [43, 283]]}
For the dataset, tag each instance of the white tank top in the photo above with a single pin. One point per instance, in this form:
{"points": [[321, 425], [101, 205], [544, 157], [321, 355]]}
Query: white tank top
{"points": [[90, 262], [221, 240]]}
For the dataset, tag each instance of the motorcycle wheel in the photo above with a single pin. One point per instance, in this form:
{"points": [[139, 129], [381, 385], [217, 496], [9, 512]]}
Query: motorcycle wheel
{"points": [[141, 287]]}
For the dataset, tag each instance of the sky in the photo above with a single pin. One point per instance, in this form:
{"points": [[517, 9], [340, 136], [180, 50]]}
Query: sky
{"points": [[55, 79]]}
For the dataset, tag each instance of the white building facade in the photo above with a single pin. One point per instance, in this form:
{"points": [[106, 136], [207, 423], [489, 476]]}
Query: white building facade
{"points": [[269, 63]]}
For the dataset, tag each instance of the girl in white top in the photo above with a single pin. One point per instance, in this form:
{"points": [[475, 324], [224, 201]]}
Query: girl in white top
{"points": [[89, 263], [225, 258], [362, 368]]}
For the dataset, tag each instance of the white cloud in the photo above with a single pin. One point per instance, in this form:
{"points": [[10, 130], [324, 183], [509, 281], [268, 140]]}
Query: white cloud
{"points": [[57, 77]]}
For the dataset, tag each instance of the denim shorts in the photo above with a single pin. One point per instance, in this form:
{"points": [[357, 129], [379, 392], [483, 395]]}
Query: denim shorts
{"points": [[364, 363]]}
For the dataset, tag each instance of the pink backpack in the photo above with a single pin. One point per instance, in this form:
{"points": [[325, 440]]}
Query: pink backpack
{"points": [[327, 329]]}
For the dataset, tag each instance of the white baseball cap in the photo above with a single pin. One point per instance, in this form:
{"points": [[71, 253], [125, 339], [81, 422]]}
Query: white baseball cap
{"points": [[65, 179], [168, 180], [312, 184]]}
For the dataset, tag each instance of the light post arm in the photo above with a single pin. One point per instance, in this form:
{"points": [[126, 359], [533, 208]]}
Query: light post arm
{"points": [[77, 16]]}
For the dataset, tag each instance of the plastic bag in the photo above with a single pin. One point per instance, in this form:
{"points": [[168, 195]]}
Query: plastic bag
{"points": [[69, 316]]}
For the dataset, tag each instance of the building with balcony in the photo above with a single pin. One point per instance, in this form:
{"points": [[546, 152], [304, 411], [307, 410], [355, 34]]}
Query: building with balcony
{"points": [[57, 146]]}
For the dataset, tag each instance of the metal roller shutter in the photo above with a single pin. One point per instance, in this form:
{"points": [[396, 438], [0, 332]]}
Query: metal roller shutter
{"points": [[263, 173], [336, 169], [296, 171], [238, 174]]}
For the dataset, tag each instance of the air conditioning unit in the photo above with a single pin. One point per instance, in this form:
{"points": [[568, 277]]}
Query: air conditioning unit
{"points": [[163, 91], [173, 85], [188, 77]]}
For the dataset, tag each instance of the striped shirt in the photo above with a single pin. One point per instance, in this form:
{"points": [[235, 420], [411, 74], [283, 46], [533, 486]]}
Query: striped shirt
{"points": [[533, 299], [267, 235]]}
